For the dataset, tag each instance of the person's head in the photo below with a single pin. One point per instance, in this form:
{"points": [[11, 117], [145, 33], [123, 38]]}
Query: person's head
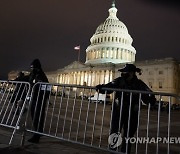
{"points": [[129, 71], [35, 65]]}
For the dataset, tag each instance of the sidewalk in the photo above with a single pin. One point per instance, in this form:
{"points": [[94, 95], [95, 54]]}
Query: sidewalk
{"points": [[49, 147], [46, 145]]}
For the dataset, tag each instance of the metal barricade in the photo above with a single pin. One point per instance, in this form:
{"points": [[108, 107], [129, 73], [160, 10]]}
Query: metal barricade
{"points": [[13, 99], [67, 112]]}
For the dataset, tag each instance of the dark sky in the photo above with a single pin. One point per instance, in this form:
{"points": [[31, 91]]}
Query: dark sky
{"points": [[49, 30]]}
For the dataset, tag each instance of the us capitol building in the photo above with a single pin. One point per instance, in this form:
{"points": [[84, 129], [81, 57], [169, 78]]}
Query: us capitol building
{"points": [[109, 50]]}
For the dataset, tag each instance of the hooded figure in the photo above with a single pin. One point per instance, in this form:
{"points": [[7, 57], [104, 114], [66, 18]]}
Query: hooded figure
{"points": [[39, 98], [37, 74], [120, 120]]}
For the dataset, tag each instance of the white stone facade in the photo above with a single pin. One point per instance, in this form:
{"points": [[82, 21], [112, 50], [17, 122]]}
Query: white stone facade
{"points": [[160, 75]]}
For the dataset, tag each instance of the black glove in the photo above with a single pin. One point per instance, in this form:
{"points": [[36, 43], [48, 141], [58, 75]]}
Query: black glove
{"points": [[99, 87], [149, 99], [152, 100]]}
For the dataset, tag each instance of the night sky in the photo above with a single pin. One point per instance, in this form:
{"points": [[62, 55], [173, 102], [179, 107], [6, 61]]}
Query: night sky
{"points": [[50, 29]]}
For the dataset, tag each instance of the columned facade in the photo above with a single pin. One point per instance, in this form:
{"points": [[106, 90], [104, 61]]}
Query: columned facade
{"points": [[87, 78], [160, 75]]}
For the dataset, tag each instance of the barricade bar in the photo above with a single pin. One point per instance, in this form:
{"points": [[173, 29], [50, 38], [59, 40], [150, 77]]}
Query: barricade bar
{"points": [[71, 113], [13, 98]]}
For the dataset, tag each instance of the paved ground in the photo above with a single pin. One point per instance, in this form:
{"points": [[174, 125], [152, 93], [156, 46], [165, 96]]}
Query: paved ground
{"points": [[50, 147], [47, 146]]}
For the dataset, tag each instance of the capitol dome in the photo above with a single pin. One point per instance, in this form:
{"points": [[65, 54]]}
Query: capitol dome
{"points": [[111, 42]]}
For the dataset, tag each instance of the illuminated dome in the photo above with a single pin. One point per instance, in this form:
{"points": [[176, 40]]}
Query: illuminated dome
{"points": [[111, 42]]}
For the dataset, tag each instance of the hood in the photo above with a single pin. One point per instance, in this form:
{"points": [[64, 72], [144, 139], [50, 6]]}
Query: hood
{"points": [[36, 63]]}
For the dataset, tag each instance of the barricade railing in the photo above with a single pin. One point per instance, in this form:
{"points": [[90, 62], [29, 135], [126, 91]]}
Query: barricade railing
{"points": [[13, 99], [70, 113]]}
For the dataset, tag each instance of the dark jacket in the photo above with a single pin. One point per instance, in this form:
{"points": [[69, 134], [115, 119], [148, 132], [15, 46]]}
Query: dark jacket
{"points": [[37, 75], [134, 84]]}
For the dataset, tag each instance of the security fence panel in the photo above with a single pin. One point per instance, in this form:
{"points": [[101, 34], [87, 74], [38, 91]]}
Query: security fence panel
{"points": [[13, 99], [114, 120]]}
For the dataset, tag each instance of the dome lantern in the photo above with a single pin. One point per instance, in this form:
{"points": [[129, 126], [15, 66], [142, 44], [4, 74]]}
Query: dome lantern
{"points": [[113, 11], [113, 3]]}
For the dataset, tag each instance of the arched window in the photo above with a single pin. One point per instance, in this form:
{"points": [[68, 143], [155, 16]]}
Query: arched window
{"points": [[117, 53], [108, 39], [98, 40]]}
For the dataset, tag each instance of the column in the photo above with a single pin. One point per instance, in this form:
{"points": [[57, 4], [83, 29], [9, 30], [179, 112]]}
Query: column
{"points": [[74, 79], [103, 76], [64, 78], [82, 78], [59, 78], [95, 54], [85, 77], [95, 78], [106, 53], [107, 76]]}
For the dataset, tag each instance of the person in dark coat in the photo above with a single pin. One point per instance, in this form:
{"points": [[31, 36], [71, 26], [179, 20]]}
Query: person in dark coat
{"points": [[129, 81], [39, 99]]}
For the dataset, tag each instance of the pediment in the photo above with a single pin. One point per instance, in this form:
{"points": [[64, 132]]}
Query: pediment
{"points": [[75, 65]]}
